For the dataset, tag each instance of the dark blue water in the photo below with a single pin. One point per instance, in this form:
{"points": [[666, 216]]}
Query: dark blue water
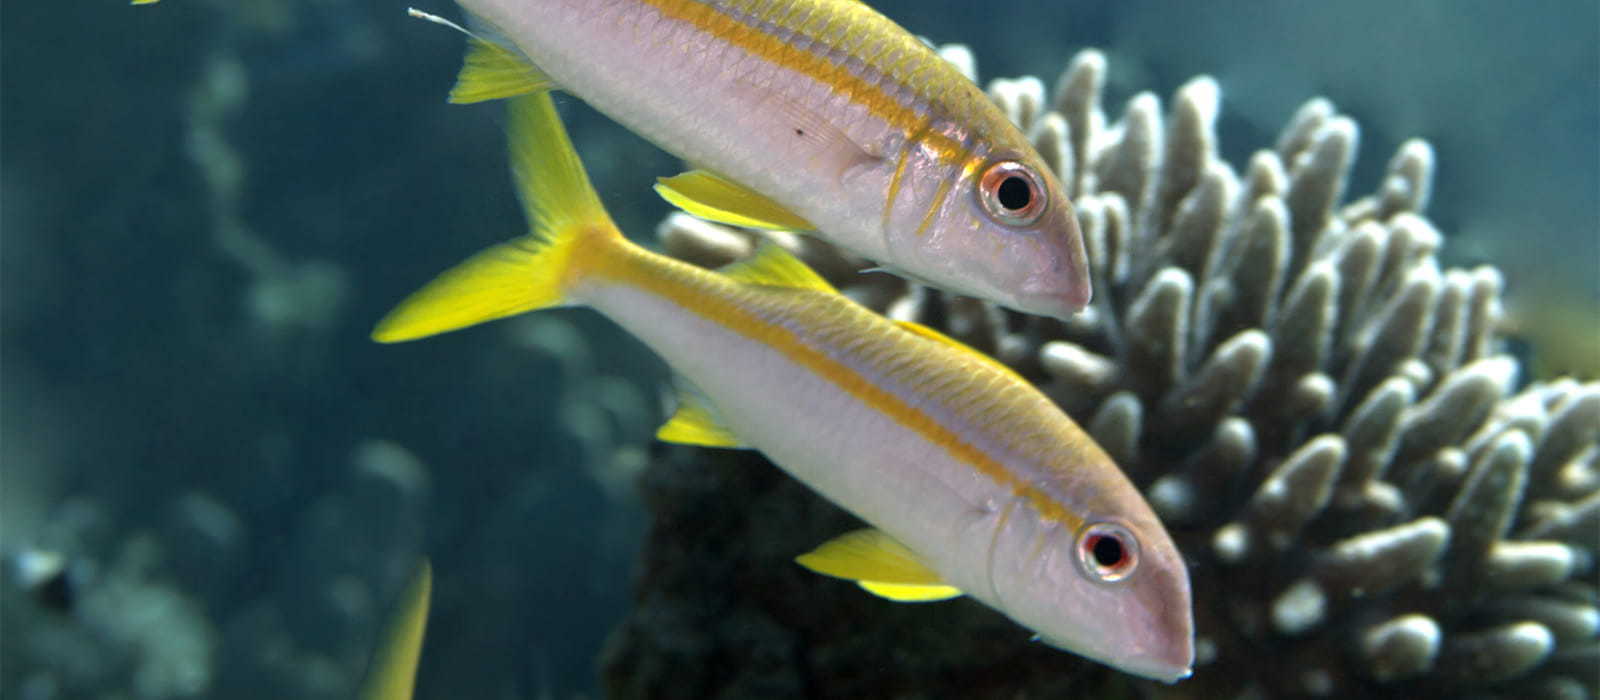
{"points": [[204, 208]]}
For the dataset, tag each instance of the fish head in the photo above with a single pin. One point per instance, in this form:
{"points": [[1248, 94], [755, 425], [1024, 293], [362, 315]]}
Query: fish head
{"points": [[1007, 232], [1112, 587]]}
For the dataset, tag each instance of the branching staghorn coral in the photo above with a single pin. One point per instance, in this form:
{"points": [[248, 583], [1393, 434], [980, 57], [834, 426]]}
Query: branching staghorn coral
{"points": [[1323, 416]]}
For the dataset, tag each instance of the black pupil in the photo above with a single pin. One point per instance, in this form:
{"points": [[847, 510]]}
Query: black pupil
{"points": [[1014, 193], [1107, 551]]}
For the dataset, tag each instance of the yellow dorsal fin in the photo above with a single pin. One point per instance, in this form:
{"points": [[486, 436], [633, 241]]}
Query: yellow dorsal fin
{"points": [[528, 273], [715, 198], [696, 423], [491, 70], [774, 266], [968, 350], [393, 670], [879, 564]]}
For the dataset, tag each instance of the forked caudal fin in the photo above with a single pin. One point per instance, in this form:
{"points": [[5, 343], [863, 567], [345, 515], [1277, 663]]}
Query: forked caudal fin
{"points": [[568, 223]]}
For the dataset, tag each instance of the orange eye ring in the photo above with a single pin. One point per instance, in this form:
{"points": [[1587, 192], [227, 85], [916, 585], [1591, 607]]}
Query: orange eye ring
{"points": [[1107, 552], [1012, 193]]}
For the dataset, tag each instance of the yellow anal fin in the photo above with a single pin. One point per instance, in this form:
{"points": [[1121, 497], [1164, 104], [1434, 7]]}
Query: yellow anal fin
{"points": [[936, 336], [715, 198], [493, 72], [879, 564], [774, 266], [696, 423], [144, 2], [393, 671]]}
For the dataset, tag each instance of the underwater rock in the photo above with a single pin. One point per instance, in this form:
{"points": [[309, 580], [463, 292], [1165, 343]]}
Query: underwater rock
{"points": [[1324, 417]]}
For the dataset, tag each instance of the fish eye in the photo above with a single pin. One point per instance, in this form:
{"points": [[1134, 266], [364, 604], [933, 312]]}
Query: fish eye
{"points": [[1107, 552], [1012, 193]]}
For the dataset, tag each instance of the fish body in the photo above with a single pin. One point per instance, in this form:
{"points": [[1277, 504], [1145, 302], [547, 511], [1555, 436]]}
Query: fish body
{"points": [[835, 113], [975, 481]]}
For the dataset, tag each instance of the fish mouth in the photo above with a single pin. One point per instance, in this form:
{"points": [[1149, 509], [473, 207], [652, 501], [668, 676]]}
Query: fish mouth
{"points": [[1168, 664], [1062, 303]]}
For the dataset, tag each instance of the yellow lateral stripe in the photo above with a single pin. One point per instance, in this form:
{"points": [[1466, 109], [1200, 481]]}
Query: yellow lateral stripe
{"points": [[878, 101], [643, 269]]}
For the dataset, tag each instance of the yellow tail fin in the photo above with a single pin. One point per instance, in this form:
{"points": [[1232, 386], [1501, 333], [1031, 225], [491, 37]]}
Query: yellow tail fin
{"points": [[532, 272]]}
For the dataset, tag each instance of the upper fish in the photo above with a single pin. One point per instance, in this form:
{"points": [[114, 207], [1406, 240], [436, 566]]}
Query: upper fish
{"points": [[814, 115], [972, 480]]}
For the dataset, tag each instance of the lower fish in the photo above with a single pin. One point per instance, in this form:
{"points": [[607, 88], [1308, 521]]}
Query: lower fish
{"points": [[972, 480]]}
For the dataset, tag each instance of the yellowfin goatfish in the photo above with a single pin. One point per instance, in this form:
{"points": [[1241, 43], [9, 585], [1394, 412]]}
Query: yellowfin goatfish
{"points": [[976, 482], [815, 115]]}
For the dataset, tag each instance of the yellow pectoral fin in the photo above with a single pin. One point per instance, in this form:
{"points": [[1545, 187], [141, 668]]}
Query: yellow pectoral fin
{"points": [[772, 265], [493, 72], [393, 669], [696, 423], [714, 198], [965, 349], [879, 564]]}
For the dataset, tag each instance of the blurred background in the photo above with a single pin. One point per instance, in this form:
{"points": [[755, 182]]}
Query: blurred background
{"points": [[212, 484]]}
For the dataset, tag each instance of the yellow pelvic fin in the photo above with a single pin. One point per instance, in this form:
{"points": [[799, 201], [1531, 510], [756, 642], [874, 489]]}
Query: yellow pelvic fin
{"points": [[715, 198], [393, 670], [774, 266], [879, 564], [936, 336], [532, 272], [696, 423], [493, 72]]}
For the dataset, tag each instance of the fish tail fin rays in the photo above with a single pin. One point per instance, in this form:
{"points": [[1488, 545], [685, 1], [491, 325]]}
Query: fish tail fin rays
{"points": [[570, 230], [492, 69]]}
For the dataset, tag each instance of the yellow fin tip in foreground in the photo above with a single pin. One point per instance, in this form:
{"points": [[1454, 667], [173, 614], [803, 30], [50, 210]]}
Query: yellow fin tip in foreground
{"points": [[392, 674]]}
